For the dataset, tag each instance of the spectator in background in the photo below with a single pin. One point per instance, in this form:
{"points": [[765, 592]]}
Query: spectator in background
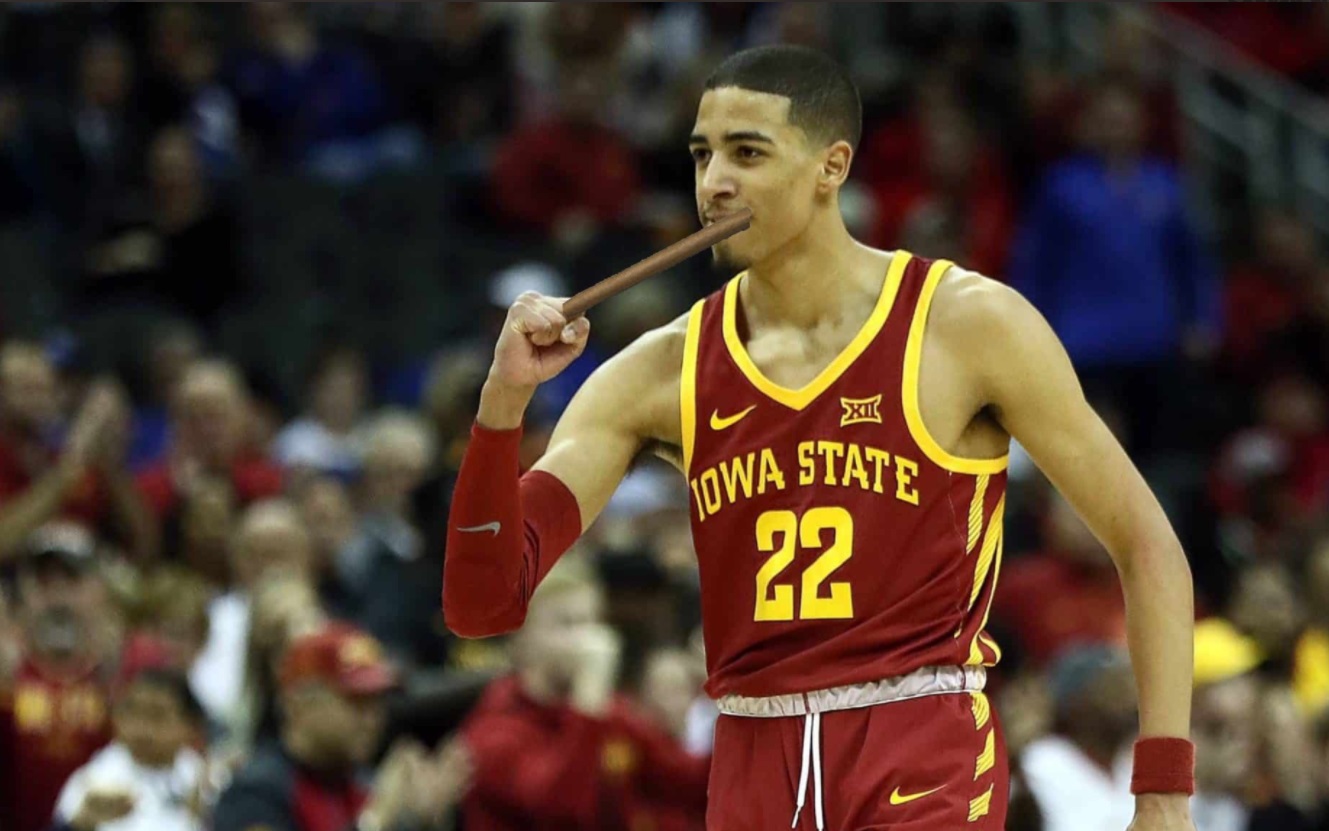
{"points": [[321, 440], [54, 704], [1080, 775], [569, 175], [1271, 479], [1067, 594], [389, 585], [307, 103], [182, 85], [150, 778], [553, 745], [181, 256], [269, 539], [169, 350], [209, 419], [171, 609], [333, 685], [1240, 748], [1110, 256], [88, 481], [958, 206], [464, 88], [92, 147]]}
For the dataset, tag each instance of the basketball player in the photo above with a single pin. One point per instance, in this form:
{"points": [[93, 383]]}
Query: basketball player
{"points": [[842, 416]]}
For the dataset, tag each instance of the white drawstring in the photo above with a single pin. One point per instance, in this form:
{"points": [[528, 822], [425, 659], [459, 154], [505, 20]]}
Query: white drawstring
{"points": [[811, 752]]}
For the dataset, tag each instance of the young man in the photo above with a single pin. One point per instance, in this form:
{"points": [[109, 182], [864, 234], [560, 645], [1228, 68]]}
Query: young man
{"points": [[842, 416]]}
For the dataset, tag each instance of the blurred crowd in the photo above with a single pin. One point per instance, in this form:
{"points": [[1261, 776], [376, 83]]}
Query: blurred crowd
{"points": [[221, 573]]}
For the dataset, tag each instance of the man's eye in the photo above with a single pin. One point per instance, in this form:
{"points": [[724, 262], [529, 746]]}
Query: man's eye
{"points": [[748, 153], [700, 155]]}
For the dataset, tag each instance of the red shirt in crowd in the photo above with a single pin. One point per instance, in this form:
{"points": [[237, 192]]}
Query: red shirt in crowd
{"points": [[49, 728], [548, 766], [548, 169], [252, 478], [1050, 603], [87, 502]]}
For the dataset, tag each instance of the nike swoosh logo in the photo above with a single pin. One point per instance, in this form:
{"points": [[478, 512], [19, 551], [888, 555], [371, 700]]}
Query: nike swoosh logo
{"points": [[718, 423], [488, 526], [898, 798]]}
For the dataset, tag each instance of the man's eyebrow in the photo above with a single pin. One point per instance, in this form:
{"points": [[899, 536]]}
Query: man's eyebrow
{"points": [[739, 135]]}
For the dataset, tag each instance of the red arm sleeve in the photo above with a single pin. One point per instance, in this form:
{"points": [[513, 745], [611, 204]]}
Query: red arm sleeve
{"points": [[505, 532]]}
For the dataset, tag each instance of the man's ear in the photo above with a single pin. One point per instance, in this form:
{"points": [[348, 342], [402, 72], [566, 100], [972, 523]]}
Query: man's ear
{"points": [[835, 165]]}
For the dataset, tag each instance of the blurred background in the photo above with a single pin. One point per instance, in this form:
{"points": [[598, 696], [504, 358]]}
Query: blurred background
{"points": [[252, 262]]}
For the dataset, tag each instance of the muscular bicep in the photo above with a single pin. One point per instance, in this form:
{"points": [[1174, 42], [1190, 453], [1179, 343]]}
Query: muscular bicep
{"points": [[625, 406], [1033, 392]]}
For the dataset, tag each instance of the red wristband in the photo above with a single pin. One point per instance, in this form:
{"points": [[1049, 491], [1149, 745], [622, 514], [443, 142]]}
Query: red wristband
{"points": [[1163, 764]]}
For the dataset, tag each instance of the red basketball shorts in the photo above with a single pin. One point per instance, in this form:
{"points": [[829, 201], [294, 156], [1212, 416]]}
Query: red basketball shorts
{"points": [[931, 763]]}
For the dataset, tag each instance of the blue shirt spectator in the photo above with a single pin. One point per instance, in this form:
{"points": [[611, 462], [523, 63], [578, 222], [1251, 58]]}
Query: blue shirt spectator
{"points": [[1108, 253]]}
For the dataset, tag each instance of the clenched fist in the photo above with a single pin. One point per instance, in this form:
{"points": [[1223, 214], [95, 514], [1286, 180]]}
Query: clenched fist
{"points": [[536, 344]]}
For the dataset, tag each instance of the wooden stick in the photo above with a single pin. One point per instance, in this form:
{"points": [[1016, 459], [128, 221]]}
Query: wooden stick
{"points": [[577, 305]]}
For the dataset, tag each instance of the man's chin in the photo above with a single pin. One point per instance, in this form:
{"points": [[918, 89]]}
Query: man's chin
{"points": [[726, 264]]}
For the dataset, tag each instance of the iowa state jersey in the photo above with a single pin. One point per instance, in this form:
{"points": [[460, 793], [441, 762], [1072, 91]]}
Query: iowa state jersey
{"points": [[837, 542]]}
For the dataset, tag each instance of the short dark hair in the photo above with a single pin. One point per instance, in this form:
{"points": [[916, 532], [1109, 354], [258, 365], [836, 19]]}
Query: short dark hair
{"points": [[176, 683], [824, 101]]}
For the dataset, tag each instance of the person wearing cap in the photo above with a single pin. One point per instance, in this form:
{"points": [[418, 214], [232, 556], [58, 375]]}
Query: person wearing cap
{"points": [[150, 777], [333, 684], [54, 706]]}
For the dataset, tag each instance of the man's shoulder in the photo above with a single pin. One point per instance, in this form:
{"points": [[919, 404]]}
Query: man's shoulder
{"points": [[653, 358], [969, 305]]}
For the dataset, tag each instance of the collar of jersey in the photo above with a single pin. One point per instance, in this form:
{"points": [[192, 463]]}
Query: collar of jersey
{"points": [[797, 399]]}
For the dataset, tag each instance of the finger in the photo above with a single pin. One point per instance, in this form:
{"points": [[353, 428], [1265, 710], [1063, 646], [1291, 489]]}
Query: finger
{"points": [[577, 331], [535, 324]]}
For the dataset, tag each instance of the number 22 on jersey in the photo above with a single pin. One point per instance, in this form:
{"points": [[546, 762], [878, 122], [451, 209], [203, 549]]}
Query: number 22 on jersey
{"points": [[782, 533]]}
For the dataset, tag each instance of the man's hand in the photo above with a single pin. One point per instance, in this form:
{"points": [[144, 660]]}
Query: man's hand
{"points": [[596, 671], [1162, 812], [100, 807], [536, 344]]}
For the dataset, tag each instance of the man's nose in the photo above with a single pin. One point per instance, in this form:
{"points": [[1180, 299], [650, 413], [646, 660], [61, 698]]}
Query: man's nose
{"points": [[717, 181]]}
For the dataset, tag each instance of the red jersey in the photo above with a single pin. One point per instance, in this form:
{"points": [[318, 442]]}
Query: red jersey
{"points": [[837, 542], [49, 728]]}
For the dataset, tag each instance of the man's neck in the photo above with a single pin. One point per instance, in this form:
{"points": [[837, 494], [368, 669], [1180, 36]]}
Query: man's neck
{"points": [[808, 279]]}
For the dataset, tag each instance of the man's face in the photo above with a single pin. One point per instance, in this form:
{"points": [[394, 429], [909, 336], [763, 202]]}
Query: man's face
{"points": [[1223, 726], [151, 722], [59, 603], [747, 155], [554, 628], [342, 730], [271, 545], [27, 390], [211, 420]]}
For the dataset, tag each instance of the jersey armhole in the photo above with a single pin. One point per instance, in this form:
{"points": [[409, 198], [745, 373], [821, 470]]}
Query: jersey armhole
{"points": [[913, 359], [687, 397]]}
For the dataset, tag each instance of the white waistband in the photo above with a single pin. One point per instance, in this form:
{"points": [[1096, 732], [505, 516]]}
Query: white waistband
{"points": [[921, 682]]}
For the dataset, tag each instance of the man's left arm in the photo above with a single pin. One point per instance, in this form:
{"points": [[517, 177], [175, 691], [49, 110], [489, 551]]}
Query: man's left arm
{"points": [[1029, 386]]}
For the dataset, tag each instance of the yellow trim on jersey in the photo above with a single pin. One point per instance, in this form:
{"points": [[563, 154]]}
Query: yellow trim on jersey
{"points": [[985, 554], [982, 709], [805, 395], [976, 512], [913, 358], [981, 805], [687, 389], [976, 654], [986, 760]]}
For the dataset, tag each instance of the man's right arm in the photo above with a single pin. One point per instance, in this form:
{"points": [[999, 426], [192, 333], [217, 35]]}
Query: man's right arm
{"points": [[505, 530]]}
